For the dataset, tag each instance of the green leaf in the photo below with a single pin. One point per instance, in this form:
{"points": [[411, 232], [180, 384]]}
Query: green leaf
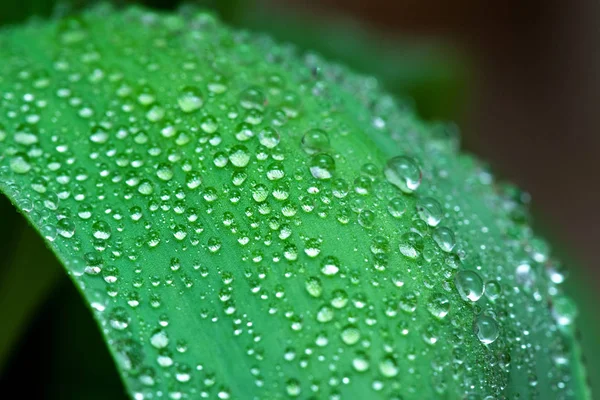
{"points": [[249, 222]]}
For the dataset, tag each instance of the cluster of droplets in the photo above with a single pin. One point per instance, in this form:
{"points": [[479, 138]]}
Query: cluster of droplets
{"points": [[197, 211]]}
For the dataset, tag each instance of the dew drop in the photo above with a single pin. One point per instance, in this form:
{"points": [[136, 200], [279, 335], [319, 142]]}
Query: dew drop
{"points": [[268, 137], [444, 237], [430, 211], [404, 173], [564, 310], [438, 305], [164, 172], [322, 166], [492, 290], [101, 230], [360, 362], [396, 207], [313, 287], [159, 339], [388, 367], [411, 245], [315, 141], [330, 266], [239, 156], [20, 164], [190, 99], [469, 285], [486, 329], [350, 334]]}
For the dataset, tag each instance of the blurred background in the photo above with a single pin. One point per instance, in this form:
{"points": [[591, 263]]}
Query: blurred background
{"points": [[521, 78]]}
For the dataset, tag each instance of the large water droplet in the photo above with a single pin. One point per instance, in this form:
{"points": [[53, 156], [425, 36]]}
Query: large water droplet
{"points": [[190, 99], [268, 137], [438, 305], [159, 339], [20, 164], [322, 166], [388, 367], [350, 334], [469, 285], [315, 141], [486, 328], [444, 238], [239, 156], [411, 245], [430, 211], [404, 173]]}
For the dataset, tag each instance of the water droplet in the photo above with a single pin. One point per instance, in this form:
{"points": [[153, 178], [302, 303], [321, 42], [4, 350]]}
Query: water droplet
{"points": [[525, 275], [20, 164], [325, 314], [350, 334], [252, 98], [388, 367], [486, 328], [396, 207], [119, 319], [292, 387], [322, 166], [268, 137], [404, 173], [99, 135], [313, 287], [366, 218], [65, 228], [340, 299], [159, 339], [239, 156], [315, 141], [330, 266], [312, 248], [190, 99], [164, 172], [438, 305], [564, 310], [360, 362], [469, 285], [430, 211], [101, 230], [444, 238], [492, 290], [411, 245]]}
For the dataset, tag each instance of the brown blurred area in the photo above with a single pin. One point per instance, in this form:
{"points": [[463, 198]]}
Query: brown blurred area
{"points": [[534, 94]]}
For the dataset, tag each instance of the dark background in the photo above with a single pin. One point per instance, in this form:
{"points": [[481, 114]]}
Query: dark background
{"points": [[520, 78]]}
